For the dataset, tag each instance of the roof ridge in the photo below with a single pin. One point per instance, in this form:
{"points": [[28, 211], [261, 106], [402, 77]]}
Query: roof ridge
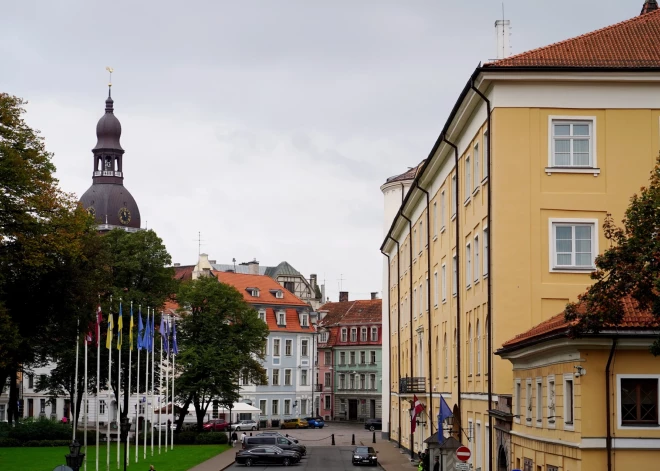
{"points": [[645, 16]]}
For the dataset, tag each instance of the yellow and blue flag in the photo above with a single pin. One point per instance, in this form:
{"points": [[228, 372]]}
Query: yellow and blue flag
{"points": [[120, 327], [111, 325], [130, 329]]}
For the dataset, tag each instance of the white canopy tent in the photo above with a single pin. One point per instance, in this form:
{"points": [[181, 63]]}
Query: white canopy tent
{"points": [[237, 408]]}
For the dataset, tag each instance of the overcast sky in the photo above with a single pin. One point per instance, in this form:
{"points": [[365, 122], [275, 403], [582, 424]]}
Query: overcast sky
{"points": [[268, 126]]}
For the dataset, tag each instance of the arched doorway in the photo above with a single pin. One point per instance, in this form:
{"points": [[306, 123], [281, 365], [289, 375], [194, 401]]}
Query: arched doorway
{"points": [[502, 461]]}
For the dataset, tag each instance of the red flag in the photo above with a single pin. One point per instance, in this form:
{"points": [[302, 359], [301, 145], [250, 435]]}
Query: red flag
{"points": [[96, 327], [419, 407]]}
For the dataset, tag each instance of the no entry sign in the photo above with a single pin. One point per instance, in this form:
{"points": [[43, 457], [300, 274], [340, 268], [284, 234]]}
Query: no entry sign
{"points": [[463, 453]]}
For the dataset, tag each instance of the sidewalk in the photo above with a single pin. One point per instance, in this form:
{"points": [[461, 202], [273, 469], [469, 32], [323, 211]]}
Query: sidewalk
{"points": [[390, 456], [218, 462]]}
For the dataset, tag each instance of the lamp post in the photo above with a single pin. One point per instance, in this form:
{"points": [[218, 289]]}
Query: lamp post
{"points": [[411, 412], [74, 459], [125, 428]]}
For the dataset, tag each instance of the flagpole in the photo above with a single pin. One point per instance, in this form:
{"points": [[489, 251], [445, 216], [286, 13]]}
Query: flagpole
{"points": [[160, 389], [108, 342], [75, 387], [98, 379], [85, 407], [175, 351], [146, 384], [127, 461], [153, 322], [137, 388], [120, 325], [173, 357], [167, 381]]}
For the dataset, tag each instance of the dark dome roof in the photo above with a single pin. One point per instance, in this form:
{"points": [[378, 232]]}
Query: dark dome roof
{"points": [[108, 129], [108, 199]]}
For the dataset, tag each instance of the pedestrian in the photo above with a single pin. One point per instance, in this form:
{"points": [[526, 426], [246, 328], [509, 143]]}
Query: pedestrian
{"points": [[234, 437], [243, 437], [151, 467], [436, 464]]}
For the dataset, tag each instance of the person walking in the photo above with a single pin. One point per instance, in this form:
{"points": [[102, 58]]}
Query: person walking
{"points": [[151, 467], [436, 464], [243, 438], [234, 437]]}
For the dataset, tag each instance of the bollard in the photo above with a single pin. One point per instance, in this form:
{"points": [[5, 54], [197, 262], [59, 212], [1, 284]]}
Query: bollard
{"points": [[373, 440], [353, 439], [333, 438]]}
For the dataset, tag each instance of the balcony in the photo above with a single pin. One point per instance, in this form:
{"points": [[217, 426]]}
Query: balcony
{"points": [[412, 385], [318, 388]]}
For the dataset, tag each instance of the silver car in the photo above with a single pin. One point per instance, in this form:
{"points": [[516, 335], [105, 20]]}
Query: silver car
{"points": [[245, 425]]}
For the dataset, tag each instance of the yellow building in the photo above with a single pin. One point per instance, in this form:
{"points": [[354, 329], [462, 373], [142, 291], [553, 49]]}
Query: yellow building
{"points": [[588, 403], [503, 221]]}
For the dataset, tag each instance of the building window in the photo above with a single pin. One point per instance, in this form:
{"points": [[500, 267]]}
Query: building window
{"points": [[517, 398], [262, 406], [528, 402], [363, 334], [287, 347], [454, 277], [262, 315], [303, 377], [327, 402], [342, 358], [572, 144], [469, 349], [551, 402], [214, 414], [279, 294], [305, 320], [422, 298], [435, 289], [468, 179], [373, 357], [352, 354], [443, 211], [421, 237], [639, 401], [446, 356], [303, 407], [245, 378], [354, 334], [324, 337], [468, 265], [478, 348], [486, 255], [444, 283], [276, 407], [327, 380], [374, 334], [281, 319], [304, 348], [372, 381], [276, 347], [342, 381], [476, 166], [287, 377], [42, 406], [351, 379], [287, 406], [574, 244], [363, 358], [327, 358], [31, 381], [568, 400], [435, 218], [343, 335], [363, 382], [414, 301], [476, 259], [486, 156], [454, 196], [102, 406], [539, 401]]}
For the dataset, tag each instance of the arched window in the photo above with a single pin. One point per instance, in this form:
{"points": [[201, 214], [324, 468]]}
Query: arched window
{"points": [[478, 348], [446, 356], [469, 348]]}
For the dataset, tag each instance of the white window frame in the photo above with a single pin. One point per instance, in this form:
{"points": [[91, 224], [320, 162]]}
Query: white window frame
{"points": [[539, 401], [304, 347], [568, 377], [354, 334], [262, 315], [422, 239], [468, 265], [275, 407], [619, 377], [476, 259], [277, 353], [363, 357], [477, 176], [445, 346], [551, 401], [327, 401], [305, 320], [528, 402], [478, 446], [287, 383], [281, 318], [287, 406], [288, 347], [517, 397], [272, 378], [422, 304], [444, 283], [485, 251], [263, 410], [324, 337], [436, 293], [304, 378], [552, 223], [374, 330], [372, 357], [593, 167], [443, 211], [363, 334], [351, 358], [478, 338], [344, 334], [342, 358]]}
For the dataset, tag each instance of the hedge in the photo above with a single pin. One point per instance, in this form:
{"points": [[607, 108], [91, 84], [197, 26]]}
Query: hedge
{"points": [[212, 438]]}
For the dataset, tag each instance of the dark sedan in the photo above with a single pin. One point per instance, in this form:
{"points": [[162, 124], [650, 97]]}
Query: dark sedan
{"points": [[365, 455], [267, 455], [374, 424]]}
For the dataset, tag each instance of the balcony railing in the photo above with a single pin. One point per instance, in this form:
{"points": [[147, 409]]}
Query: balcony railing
{"points": [[318, 387], [412, 385]]}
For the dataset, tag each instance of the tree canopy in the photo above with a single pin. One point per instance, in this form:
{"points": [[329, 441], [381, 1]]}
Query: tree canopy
{"points": [[630, 267]]}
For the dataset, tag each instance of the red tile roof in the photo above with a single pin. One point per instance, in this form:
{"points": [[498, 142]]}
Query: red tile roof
{"points": [[633, 318], [183, 273], [633, 43], [353, 312], [292, 322], [409, 174], [264, 284]]}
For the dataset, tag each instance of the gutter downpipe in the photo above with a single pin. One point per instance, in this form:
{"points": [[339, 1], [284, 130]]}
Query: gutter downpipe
{"points": [[428, 302], [389, 328], [410, 292], [608, 439], [490, 271], [398, 333], [458, 282]]}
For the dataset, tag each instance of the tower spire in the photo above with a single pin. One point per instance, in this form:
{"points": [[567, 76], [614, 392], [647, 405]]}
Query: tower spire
{"points": [[110, 71], [649, 6]]}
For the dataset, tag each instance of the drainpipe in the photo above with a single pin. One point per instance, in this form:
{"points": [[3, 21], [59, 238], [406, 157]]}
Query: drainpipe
{"points": [[398, 333], [458, 281], [490, 269], [608, 439], [410, 292], [428, 302], [389, 355]]}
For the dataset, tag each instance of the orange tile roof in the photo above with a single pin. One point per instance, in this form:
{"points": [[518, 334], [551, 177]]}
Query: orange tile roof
{"points": [[264, 284], [183, 272], [353, 312], [633, 318], [633, 43], [292, 322]]}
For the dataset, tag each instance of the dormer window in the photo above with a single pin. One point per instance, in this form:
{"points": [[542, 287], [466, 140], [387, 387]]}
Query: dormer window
{"points": [[262, 315], [324, 337], [354, 334], [343, 335], [281, 318], [278, 293], [304, 320], [253, 292]]}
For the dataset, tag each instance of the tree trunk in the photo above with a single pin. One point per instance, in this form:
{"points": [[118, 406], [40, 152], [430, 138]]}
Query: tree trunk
{"points": [[184, 412]]}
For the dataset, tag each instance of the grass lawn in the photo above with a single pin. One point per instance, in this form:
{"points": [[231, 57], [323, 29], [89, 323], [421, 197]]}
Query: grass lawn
{"points": [[182, 458]]}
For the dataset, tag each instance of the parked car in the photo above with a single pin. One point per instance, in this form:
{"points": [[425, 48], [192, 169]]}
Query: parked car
{"points": [[215, 425], [163, 426], [365, 455], [245, 425], [315, 422], [294, 423], [278, 434], [284, 443], [374, 424], [267, 455]]}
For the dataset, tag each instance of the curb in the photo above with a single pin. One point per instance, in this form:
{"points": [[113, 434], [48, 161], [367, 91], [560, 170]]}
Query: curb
{"points": [[228, 466]]}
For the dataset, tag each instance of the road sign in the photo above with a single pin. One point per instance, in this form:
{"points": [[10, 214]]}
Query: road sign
{"points": [[462, 466], [463, 453]]}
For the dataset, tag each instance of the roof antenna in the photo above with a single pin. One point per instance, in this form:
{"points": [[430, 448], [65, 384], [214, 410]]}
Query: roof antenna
{"points": [[234, 262], [110, 71], [199, 243]]}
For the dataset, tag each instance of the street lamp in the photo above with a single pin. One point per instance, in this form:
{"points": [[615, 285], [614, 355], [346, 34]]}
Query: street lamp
{"points": [[125, 428], [411, 411], [74, 459]]}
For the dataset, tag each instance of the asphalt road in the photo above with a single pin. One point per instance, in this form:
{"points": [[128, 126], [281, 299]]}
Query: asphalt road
{"points": [[324, 458]]}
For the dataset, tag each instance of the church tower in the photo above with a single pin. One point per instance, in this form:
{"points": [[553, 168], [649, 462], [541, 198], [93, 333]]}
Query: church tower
{"points": [[107, 199]]}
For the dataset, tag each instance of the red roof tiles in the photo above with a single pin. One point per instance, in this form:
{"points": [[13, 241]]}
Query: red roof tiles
{"points": [[633, 318], [353, 312], [266, 286], [633, 43]]}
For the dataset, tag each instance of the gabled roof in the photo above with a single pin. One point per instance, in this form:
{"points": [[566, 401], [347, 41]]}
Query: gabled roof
{"points": [[266, 286], [292, 321], [352, 312], [630, 44], [407, 175], [282, 269], [634, 318]]}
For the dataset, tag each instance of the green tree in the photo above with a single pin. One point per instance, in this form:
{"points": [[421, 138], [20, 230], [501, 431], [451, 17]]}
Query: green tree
{"points": [[629, 267], [220, 336]]}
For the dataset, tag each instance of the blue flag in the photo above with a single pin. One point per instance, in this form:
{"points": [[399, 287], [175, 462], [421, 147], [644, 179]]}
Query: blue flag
{"points": [[164, 334], [146, 339], [445, 411], [140, 336], [152, 332], [175, 347]]}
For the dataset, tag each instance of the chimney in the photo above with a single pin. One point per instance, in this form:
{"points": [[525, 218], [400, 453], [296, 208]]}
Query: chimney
{"points": [[649, 6], [177, 264], [312, 280], [343, 296], [502, 32], [374, 295], [253, 267]]}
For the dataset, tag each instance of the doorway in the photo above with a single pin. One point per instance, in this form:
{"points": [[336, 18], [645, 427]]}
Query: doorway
{"points": [[372, 408], [352, 409]]}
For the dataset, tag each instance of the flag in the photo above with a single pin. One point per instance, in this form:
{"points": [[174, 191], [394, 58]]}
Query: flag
{"points": [[120, 327], [108, 339], [164, 334], [95, 327], [419, 407], [130, 329], [445, 411], [175, 347], [146, 341], [140, 341]]}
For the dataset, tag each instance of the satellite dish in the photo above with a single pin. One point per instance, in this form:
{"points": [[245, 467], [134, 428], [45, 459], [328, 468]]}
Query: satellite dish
{"points": [[63, 467]]}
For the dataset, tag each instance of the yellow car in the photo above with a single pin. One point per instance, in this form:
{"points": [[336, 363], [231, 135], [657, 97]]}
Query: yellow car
{"points": [[294, 423]]}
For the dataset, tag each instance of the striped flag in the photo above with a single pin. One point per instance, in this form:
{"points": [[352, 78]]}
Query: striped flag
{"points": [[120, 327], [111, 325], [130, 329]]}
